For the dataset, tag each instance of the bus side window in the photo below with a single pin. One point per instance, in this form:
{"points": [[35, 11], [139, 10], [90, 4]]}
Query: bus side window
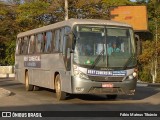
{"points": [[67, 30], [53, 41], [60, 42], [61, 39], [48, 42], [57, 38], [18, 46], [43, 42], [32, 44], [65, 47], [39, 42], [24, 49], [21, 46]]}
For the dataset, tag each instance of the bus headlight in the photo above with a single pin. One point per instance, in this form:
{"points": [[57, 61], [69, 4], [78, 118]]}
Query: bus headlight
{"points": [[78, 73], [132, 76]]}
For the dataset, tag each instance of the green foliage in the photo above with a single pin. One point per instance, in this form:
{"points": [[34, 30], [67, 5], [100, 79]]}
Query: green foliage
{"points": [[30, 15], [148, 52], [8, 32], [10, 52], [145, 75], [56, 9], [2, 53], [151, 48], [7, 22], [158, 76], [7, 51], [78, 9], [146, 60], [109, 3]]}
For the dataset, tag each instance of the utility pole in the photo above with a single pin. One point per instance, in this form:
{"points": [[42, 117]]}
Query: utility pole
{"points": [[66, 9], [155, 61], [156, 56]]}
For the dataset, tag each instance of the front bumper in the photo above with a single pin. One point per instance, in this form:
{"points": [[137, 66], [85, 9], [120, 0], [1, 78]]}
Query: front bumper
{"points": [[83, 86]]}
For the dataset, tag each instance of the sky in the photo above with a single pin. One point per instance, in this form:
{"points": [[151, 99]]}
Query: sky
{"points": [[133, 0]]}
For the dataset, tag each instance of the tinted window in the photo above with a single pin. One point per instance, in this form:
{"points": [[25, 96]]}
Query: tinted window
{"points": [[57, 40], [24, 46], [66, 31], [53, 41], [43, 43], [61, 39], [39, 43], [48, 42], [32, 44], [18, 46]]}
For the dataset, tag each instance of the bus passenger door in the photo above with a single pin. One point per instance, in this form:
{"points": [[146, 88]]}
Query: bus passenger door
{"points": [[67, 52]]}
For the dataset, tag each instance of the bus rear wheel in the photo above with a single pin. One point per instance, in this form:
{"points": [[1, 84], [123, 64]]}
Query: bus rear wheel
{"points": [[59, 93], [36, 88], [111, 97], [28, 86]]}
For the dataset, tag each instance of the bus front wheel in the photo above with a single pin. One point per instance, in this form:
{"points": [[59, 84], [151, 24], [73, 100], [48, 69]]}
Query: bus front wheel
{"points": [[59, 93], [28, 86]]}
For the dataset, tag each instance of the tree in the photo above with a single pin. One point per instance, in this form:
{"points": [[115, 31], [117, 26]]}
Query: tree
{"points": [[77, 9], [32, 14], [151, 54], [110, 3], [8, 31], [156, 31]]}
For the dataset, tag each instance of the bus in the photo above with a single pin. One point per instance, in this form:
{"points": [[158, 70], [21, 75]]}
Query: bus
{"points": [[78, 56]]}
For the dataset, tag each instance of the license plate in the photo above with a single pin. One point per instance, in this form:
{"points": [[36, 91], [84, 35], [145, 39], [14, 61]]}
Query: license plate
{"points": [[107, 85]]}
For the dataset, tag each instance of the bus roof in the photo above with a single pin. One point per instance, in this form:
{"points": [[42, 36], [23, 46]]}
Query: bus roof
{"points": [[71, 23]]}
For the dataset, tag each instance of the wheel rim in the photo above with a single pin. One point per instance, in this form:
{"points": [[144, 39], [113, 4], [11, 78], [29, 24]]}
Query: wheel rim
{"points": [[27, 82], [58, 87]]}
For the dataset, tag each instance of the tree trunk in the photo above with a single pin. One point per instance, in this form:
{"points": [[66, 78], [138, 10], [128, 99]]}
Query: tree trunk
{"points": [[154, 70]]}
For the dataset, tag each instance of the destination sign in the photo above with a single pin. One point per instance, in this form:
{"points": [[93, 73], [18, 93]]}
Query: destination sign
{"points": [[106, 73], [32, 61]]}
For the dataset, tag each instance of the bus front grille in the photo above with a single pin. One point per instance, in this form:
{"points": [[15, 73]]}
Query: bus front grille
{"points": [[96, 90], [106, 79]]}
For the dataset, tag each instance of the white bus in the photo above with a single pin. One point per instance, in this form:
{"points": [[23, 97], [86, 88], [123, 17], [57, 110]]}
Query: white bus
{"points": [[78, 56]]}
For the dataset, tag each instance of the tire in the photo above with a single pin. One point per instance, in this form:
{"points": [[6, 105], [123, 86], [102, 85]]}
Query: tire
{"points": [[112, 97], [60, 95], [36, 88], [28, 86]]}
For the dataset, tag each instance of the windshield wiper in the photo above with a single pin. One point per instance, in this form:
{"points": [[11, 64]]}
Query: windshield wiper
{"points": [[128, 61], [97, 59]]}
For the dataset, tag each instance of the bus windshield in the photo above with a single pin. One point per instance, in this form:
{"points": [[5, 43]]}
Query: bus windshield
{"points": [[104, 47]]}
